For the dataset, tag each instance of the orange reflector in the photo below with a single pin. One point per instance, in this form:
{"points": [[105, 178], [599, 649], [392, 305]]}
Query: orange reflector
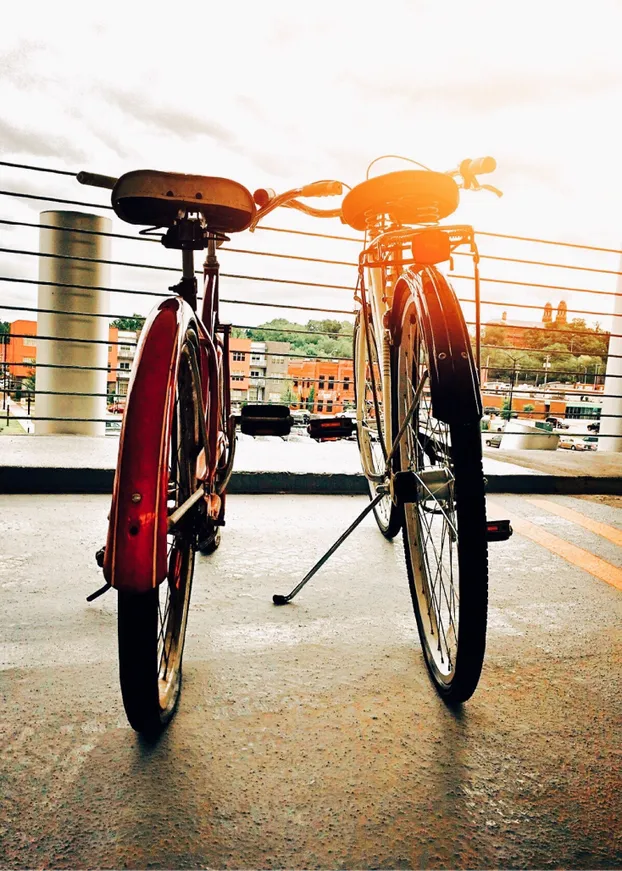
{"points": [[430, 246]]}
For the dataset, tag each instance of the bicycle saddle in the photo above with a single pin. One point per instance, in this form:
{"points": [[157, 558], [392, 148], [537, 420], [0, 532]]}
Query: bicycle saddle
{"points": [[412, 196], [155, 198]]}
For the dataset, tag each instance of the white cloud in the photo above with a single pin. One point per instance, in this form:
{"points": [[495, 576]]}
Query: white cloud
{"points": [[280, 94]]}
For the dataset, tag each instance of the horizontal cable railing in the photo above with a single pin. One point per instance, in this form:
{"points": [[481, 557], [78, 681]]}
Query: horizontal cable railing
{"points": [[582, 370]]}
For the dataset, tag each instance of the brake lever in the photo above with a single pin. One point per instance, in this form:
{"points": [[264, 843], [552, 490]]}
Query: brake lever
{"points": [[489, 187]]}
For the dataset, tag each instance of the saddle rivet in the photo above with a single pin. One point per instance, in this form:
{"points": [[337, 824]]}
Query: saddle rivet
{"points": [[442, 356], [136, 497]]}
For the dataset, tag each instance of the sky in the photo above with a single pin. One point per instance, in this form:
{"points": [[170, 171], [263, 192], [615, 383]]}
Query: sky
{"points": [[279, 94]]}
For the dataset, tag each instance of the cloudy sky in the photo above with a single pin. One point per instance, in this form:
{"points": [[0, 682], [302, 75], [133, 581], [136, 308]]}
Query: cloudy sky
{"points": [[281, 93]]}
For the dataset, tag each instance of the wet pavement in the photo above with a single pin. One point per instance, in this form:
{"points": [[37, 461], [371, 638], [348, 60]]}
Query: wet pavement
{"points": [[309, 736]]}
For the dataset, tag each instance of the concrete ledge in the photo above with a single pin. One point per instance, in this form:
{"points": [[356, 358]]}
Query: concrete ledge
{"points": [[550, 484], [333, 484], [31, 479]]}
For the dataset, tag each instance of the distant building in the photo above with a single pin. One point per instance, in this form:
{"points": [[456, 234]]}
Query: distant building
{"points": [[124, 351], [18, 355], [239, 368], [514, 330], [19, 352], [323, 386], [268, 371]]}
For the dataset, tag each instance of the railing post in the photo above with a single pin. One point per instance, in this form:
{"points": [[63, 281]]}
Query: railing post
{"points": [[76, 302], [612, 400]]}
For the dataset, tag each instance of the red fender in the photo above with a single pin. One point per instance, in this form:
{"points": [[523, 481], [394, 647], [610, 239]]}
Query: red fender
{"points": [[135, 558]]}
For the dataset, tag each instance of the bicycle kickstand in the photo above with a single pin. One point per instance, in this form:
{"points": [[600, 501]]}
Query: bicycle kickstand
{"points": [[283, 600]]}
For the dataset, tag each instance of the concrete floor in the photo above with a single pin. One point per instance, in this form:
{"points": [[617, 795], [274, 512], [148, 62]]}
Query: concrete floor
{"points": [[310, 736]]}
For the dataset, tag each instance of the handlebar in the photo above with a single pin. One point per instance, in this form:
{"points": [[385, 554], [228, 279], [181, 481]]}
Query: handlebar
{"points": [[470, 169], [95, 180], [322, 189], [267, 200], [479, 166]]}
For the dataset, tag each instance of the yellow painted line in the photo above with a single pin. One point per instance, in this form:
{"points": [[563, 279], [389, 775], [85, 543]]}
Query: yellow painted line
{"points": [[602, 529], [594, 565]]}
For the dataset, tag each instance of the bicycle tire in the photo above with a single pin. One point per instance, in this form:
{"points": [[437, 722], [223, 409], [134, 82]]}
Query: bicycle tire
{"points": [[388, 515], [444, 530], [152, 625]]}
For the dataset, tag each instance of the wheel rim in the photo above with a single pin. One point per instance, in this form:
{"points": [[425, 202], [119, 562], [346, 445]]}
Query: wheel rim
{"points": [[374, 429], [431, 521], [174, 592]]}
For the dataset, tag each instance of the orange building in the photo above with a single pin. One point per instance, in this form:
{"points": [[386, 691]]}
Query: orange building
{"points": [[113, 360], [18, 352], [240, 368], [322, 386], [493, 403]]}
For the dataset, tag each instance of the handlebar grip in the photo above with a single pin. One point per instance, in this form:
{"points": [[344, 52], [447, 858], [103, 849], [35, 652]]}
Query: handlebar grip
{"points": [[95, 180], [479, 166], [262, 196], [322, 189]]}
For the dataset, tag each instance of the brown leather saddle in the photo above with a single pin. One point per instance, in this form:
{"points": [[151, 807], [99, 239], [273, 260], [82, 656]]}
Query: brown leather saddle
{"points": [[155, 198], [412, 196]]}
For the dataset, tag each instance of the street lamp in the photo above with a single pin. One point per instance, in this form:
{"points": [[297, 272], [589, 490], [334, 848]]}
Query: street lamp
{"points": [[546, 366]]}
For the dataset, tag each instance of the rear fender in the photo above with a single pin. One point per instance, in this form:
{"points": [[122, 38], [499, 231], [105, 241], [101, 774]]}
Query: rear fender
{"points": [[453, 374], [135, 558]]}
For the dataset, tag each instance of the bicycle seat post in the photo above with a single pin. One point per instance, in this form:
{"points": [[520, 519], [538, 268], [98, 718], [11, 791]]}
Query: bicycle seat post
{"points": [[187, 259]]}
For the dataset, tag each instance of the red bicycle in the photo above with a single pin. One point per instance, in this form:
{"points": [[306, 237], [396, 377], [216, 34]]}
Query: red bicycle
{"points": [[177, 440]]}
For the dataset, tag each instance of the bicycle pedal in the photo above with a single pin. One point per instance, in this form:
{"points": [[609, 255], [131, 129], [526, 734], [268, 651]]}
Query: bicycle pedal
{"points": [[329, 428], [266, 420], [498, 530]]}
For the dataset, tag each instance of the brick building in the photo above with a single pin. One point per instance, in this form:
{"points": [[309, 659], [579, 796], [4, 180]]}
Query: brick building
{"points": [[18, 353], [514, 330], [240, 368], [323, 386]]}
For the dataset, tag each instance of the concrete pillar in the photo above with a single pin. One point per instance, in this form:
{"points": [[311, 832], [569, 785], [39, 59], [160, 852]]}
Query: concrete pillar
{"points": [[612, 403], [75, 326]]}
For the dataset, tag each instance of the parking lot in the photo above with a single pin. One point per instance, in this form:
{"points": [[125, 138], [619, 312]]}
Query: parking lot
{"points": [[310, 736]]}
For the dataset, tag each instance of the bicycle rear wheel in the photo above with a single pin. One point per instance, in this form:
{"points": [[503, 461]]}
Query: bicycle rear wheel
{"points": [[152, 626], [371, 440], [445, 539]]}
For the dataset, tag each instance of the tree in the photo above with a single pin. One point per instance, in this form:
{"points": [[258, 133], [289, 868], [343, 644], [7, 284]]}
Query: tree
{"points": [[134, 323], [311, 399], [287, 394], [327, 338], [494, 336], [506, 414], [5, 327]]}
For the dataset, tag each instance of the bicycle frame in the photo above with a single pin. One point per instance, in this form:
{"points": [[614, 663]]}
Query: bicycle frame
{"points": [[135, 558]]}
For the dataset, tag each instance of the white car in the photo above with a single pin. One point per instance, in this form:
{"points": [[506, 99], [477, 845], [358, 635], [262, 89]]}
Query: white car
{"points": [[587, 443]]}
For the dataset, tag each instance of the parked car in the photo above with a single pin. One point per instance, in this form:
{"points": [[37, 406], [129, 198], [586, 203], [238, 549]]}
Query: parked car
{"points": [[113, 427], [494, 441], [587, 443], [301, 417], [556, 423]]}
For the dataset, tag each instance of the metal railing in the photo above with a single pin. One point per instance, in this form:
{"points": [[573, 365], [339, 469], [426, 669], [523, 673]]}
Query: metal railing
{"points": [[326, 288]]}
